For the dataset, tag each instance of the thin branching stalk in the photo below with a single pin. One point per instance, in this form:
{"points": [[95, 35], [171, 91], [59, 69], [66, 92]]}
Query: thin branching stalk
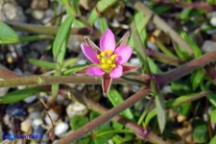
{"points": [[48, 80], [138, 130], [75, 135], [183, 70]]}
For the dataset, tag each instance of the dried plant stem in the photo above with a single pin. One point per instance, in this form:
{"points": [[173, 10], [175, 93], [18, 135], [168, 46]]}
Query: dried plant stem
{"points": [[163, 26], [165, 78], [47, 80], [72, 136]]}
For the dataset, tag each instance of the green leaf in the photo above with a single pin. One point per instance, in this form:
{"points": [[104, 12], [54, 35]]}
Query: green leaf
{"points": [[161, 9], [69, 62], [213, 140], [101, 6], [213, 116], [185, 14], [101, 136], [74, 69], [42, 63], [200, 134], [161, 113], [7, 34], [181, 52], [190, 41], [153, 66], [60, 42], [150, 116], [115, 98], [212, 98], [103, 24], [197, 78], [19, 95], [78, 24], [184, 109], [77, 121]]}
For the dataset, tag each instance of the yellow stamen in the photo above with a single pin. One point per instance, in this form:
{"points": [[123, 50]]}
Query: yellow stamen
{"points": [[102, 54], [103, 61], [108, 52], [109, 61], [105, 66], [113, 57], [113, 65]]}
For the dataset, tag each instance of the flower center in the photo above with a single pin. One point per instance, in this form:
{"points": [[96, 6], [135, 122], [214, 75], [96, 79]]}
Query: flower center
{"points": [[107, 60]]}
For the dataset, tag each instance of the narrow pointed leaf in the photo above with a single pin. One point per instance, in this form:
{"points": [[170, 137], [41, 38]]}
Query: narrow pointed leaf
{"points": [[101, 6], [103, 24], [161, 114], [19, 95], [59, 45], [7, 34], [41, 63]]}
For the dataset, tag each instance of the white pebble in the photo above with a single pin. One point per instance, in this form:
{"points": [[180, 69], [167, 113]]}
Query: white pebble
{"points": [[37, 122], [61, 128], [213, 21], [30, 99], [76, 109], [53, 115]]}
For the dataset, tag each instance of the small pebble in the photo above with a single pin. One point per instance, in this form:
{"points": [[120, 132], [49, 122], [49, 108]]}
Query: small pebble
{"points": [[61, 128], [213, 21], [38, 14], [208, 46], [13, 12], [16, 110], [34, 115], [53, 116], [76, 109], [37, 130], [30, 99], [26, 126], [37, 122]]}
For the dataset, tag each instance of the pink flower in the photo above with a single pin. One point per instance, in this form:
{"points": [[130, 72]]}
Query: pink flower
{"points": [[108, 60]]}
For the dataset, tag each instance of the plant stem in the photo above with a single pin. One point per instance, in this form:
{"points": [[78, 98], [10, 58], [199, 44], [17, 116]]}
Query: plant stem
{"points": [[163, 26], [46, 29], [167, 77], [192, 5], [75, 135], [162, 57], [138, 130], [48, 80]]}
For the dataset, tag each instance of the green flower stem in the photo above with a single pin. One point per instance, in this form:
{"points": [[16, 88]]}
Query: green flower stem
{"points": [[48, 80], [163, 26], [109, 114], [167, 77]]}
